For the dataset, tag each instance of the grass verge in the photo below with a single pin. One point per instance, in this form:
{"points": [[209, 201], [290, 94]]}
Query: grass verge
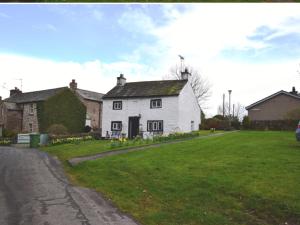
{"points": [[239, 178]]}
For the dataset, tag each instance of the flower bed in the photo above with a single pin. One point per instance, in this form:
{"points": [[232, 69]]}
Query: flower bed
{"points": [[5, 141], [123, 142], [55, 140]]}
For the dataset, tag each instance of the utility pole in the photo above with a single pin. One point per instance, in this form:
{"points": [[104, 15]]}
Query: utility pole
{"points": [[233, 111], [229, 91], [223, 105], [181, 62]]}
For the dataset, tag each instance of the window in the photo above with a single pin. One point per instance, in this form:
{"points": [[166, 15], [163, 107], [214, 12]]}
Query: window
{"points": [[154, 125], [117, 105], [31, 109], [30, 127], [155, 103], [116, 125]]}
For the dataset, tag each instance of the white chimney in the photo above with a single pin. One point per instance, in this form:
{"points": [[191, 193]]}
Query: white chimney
{"points": [[121, 80], [185, 74]]}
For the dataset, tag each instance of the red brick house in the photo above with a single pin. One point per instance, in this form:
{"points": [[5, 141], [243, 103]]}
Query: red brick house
{"points": [[274, 107]]}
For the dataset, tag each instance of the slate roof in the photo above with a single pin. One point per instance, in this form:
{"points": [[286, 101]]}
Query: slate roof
{"points": [[272, 96], [11, 106], [90, 95], [35, 96], [147, 89]]}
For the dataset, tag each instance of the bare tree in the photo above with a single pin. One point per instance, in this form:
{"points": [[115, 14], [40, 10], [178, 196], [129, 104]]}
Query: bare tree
{"points": [[239, 110], [200, 85]]}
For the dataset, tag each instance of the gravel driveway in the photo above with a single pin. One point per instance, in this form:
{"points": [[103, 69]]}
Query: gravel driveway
{"points": [[35, 191]]}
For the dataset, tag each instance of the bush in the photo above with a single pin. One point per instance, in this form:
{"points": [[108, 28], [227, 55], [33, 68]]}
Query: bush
{"points": [[246, 122], [9, 133], [57, 129]]}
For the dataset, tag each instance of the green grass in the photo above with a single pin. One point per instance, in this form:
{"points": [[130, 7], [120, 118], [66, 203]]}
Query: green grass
{"points": [[239, 178], [71, 150]]}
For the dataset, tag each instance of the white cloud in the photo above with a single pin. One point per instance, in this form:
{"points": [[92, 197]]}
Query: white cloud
{"points": [[39, 74], [202, 31]]}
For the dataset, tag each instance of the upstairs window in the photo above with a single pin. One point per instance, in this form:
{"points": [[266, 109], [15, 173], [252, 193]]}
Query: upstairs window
{"points": [[30, 128], [117, 105], [155, 103], [31, 109], [116, 125], [154, 125]]}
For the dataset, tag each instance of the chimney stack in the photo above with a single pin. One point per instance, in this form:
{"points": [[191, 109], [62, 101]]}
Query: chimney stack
{"points": [[185, 74], [73, 85], [121, 80], [15, 91], [294, 92]]}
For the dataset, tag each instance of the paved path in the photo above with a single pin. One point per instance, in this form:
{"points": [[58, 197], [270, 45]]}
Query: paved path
{"points": [[75, 161], [35, 191]]}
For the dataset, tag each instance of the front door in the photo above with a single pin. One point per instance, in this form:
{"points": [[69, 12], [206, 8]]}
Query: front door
{"points": [[133, 126]]}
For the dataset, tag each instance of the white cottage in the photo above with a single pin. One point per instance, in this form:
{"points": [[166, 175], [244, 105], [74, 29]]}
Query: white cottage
{"points": [[150, 107]]}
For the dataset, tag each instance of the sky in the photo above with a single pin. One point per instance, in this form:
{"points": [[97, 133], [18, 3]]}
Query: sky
{"points": [[251, 49]]}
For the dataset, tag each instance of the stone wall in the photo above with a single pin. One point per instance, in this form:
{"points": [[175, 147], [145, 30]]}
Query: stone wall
{"points": [[30, 117], [94, 110]]}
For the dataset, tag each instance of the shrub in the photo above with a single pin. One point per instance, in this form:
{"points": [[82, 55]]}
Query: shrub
{"points": [[9, 133], [57, 129], [246, 122]]}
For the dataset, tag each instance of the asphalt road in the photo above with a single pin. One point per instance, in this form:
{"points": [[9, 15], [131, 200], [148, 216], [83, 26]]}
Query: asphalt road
{"points": [[35, 191]]}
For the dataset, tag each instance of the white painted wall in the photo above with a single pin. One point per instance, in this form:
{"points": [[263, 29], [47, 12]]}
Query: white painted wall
{"points": [[177, 112], [141, 106], [189, 109]]}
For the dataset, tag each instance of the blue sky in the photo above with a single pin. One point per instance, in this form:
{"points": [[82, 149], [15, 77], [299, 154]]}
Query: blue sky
{"points": [[235, 46]]}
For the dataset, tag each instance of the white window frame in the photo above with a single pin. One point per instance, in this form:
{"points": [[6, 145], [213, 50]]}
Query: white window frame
{"points": [[117, 105], [155, 103], [155, 125], [116, 125]]}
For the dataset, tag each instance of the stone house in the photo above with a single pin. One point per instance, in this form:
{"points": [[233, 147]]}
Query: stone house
{"points": [[150, 107], [275, 106], [19, 112]]}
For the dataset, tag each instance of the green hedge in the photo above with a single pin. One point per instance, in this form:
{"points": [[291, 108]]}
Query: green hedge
{"points": [[63, 108], [273, 125]]}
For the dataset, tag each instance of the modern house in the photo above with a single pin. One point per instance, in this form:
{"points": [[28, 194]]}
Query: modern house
{"points": [[274, 107], [36, 111], [150, 107]]}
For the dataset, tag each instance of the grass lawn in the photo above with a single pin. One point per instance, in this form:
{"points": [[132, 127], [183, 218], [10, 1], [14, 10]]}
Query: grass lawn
{"points": [[239, 178], [68, 151]]}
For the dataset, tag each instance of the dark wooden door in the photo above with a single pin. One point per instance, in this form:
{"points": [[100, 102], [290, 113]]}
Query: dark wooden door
{"points": [[133, 126]]}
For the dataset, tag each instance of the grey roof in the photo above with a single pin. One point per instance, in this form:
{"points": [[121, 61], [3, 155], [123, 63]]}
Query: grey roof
{"points": [[90, 95], [272, 96], [34, 96], [147, 89]]}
